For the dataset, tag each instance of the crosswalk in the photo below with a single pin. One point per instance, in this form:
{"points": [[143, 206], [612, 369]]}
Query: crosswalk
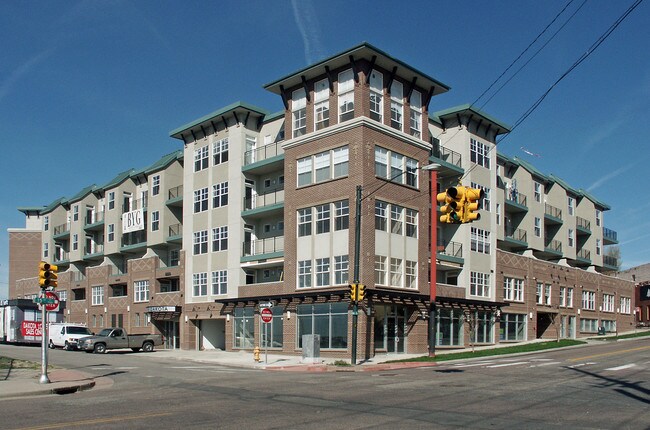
{"points": [[507, 363]]}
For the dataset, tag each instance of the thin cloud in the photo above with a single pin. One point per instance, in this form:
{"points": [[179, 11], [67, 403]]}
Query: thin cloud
{"points": [[23, 70], [612, 175], [603, 134], [307, 22]]}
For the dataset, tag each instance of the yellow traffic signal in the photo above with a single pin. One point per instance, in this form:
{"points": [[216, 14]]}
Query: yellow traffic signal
{"points": [[472, 197], [353, 292], [361, 292], [453, 207], [47, 276]]}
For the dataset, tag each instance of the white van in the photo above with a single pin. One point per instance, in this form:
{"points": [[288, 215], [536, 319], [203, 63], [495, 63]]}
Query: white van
{"points": [[66, 335]]}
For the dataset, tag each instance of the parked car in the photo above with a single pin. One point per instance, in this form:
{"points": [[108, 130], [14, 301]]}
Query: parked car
{"points": [[117, 338], [67, 335]]}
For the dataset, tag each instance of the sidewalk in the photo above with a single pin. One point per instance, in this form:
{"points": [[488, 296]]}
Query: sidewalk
{"points": [[25, 383]]}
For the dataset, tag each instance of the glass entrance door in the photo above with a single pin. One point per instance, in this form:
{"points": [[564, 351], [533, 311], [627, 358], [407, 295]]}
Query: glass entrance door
{"points": [[172, 336], [390, 328]]}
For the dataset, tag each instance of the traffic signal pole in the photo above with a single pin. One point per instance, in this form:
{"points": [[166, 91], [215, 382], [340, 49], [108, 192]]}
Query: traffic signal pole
{"points": [[433, 280], [43, 379], [357, 249]]}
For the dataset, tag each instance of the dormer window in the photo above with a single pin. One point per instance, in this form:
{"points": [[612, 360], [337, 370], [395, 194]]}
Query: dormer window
{"points": [[416, 114], [346, 95], [299, 112], [376, 96], [321, 105], [396, 105]]}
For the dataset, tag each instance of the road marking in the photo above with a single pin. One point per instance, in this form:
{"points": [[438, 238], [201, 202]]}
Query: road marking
{"points": [[580, 365], [97, 421], [507, 364], [546, 364], [483, 363], [625, 366], [604, 354]]}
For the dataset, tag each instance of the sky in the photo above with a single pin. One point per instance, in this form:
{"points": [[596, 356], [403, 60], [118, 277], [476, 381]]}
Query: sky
{"points": [[89, 89]]}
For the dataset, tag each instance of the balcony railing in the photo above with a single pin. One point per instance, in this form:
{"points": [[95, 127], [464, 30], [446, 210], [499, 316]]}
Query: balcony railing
{"points": [[610, 235], [135, 238], [584, 254], [552, 211], [517, 234], [553, 245], [175, 192], [61, 256], [583, 223], [263, 246], [440, 152], [610, 261], [264, 200], [262, 153], [135, 204], [94, 249], [61, 229], [451, 249], [175, 230], [517, 197], [94, 217]]}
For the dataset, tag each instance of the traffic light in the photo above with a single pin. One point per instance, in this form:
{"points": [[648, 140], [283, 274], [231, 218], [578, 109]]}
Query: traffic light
{"points": [[353, 292], [472, 196], [47, 276], [361, 292], [453, 207]]}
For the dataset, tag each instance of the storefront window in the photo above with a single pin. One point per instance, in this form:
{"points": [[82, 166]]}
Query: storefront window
{"points": [[330, 321]]}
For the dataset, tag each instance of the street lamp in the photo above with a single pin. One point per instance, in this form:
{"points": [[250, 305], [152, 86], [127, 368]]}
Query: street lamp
{"points": [[433, 282]]}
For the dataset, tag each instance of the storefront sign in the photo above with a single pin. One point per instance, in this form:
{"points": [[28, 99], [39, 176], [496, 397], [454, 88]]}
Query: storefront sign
{"points": [[132, 221], [162, 309], [31, 328]]}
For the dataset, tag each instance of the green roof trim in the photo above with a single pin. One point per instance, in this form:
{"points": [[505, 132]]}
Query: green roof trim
{"points": [[27, 210], [83, 193], [274, 116], [526, 165], [436, 116], [163, 162], [224, 110], [565, 185], [594, 200], [121, 177], [504, 157], [49, 208]]}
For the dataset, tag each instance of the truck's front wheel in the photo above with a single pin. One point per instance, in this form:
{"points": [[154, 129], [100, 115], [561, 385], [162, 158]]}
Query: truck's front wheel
{"points": [[100, 348], [147, 346]]}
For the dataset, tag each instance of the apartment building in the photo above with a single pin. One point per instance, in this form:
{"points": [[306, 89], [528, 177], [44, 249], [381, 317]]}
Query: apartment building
{"points": [[287, 209], [118, 250]]}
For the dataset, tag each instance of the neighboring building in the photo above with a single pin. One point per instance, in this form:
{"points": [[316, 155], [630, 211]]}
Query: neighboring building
{"points": [[265, 212], [25, 250], [641, 276]]}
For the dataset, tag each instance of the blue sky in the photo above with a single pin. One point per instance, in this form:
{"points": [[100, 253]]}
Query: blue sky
{"points": [[91, 88]]}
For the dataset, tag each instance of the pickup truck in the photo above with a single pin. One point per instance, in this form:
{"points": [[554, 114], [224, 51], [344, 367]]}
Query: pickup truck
{"points": [[116, 338]]}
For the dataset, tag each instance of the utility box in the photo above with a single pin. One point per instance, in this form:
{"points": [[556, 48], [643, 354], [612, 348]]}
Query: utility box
{"points": [[311, 348]]}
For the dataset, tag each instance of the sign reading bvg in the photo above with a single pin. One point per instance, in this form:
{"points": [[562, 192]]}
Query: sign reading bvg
{"points": [[133, 221]]}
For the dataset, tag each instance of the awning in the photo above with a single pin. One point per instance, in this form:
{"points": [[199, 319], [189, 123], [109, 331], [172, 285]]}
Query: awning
{"points": [[164, 312]]}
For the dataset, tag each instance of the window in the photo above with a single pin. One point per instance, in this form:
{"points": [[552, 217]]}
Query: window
{"points": [[381, 162], [63, 295], [484, 203], [513, 289], [380, 270], [201, 200], [155, 185], [571, 237], [220, 239], [319, 166], [321, 104], [341, 215], [75, 242], [304, 222], [381, 216], [141, 291], [219, 195], [479, 284], [513, 327], [299, 112], [341, 159], [479, 153], [538, 227], [450, 327], [97, 295], [322, 166], [411, 223], [589, 300], [570, 205], [396, 272], [111, 200], [483, 327], [608, 325], [200, 242], [396, 167], [608, 303], [562, 297], [155, 221], [598, 249], [346, 95], [547, 294], [598, 217], [498, 212], [403, 170], [480, 240], [411, 274], [625, 305], [537, 192], [330, 321], [341, 267], [199, 284], [46, 249], [220, 151], [376, 96], [322, 272], [244, 328], [219, 282], [416, 114], [569, 297], [111, 232], [46, 223], [304, 274], [323, 219], [305, 171], [396, 105], [396, 219], [75, 213], [200, 159], [588, 325]]}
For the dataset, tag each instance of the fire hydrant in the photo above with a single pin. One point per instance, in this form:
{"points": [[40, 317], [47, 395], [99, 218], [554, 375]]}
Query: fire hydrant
{"points": [[256, 354]]}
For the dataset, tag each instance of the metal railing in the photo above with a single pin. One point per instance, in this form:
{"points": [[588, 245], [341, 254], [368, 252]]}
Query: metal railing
{"points": [[440, 152], [517, 234], [517, 197], [583, 223], [610, 234], [552, 211], [135, 238], [584, 254], [61, 256], [262, 153], [608, 260], [175, 230], [452, 249], [264, 200], [175, 192], [553, 245], [94, 218], [135, 204], [62, 228], [94, 249], [263, 246]]}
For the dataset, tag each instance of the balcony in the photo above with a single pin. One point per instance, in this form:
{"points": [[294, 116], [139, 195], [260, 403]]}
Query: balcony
{"points": [[61, 257], [175, 196], [610, 237], [93, 252], [272, 247], [553, 247], [583, 257], [610, 262], [516, 201], [135, 205], [61, 231], [516, 238], [175, 233], [267, 158], [450, 161], [264, 205], [552, 214], [583, 226], [451, 252], [94, 221], [133, 241]]}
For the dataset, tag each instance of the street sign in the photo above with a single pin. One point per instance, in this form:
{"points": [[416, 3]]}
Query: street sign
{"points": [[267, 315], [266, 305], [52, 306], [44, 300]]}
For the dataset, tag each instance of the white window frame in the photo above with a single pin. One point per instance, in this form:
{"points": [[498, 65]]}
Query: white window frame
{"points": [[321, 104], [479, 153], [200, 242], [219, 282], [416, 114], [380, 270], [155, 220], [345, 86], [200, 284], [155, 185], [97, 293], [479, 284], [201, 200], [141, 291], [220, 239], [201, 158], [220, 151], [377, 96], [513, 289], [397, 105], [323, 272], [305, 274], [570, 205], [537, 193], [299, 112], [220, 195], [341, 269], [480, 240]]}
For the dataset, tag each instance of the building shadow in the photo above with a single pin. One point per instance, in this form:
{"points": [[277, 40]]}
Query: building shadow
{"points": [[633, 390]]}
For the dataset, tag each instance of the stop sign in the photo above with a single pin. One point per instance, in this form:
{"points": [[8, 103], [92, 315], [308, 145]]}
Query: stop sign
{"points": [[52, 307], [267, 315]]}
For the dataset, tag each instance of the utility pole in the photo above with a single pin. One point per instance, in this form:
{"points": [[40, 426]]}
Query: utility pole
{"points": [[357, 257]]}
